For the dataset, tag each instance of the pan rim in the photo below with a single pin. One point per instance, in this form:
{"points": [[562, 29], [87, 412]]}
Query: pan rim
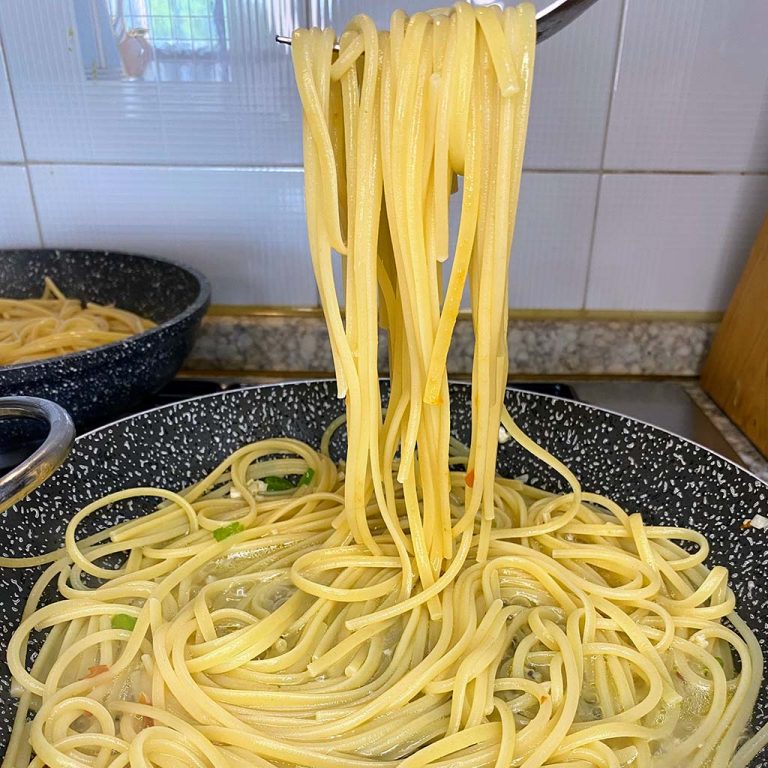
{"points": [[761, 484]]}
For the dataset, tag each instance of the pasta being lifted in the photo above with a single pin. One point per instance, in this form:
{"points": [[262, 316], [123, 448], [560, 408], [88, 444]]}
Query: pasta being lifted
{"points": [[53, 325], [410, 608]]}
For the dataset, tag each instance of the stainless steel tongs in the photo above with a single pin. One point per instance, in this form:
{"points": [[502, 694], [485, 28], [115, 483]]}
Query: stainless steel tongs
{"points": [[40, 465], [549, 20]]}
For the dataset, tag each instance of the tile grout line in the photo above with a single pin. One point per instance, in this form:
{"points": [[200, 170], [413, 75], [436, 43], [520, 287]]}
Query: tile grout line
{"points": [[645, 172], [298, 168], [601, 174], [24, 164]]}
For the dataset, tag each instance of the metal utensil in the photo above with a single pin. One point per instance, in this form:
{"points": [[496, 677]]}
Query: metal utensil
{"points": [[549, 20], [41, 464]]}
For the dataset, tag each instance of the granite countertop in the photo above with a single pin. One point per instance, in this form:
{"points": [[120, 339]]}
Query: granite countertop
{"points": [[297, 343]]}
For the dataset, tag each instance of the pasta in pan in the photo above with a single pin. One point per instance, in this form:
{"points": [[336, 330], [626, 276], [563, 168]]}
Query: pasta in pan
{"points": [[407, 606], [53, 325], [246, 629]]}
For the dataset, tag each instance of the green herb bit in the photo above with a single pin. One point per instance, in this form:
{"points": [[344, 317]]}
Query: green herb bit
{"points": [[123, 621], [306, 478], [228, 530], [720, 661], [278, 483]]}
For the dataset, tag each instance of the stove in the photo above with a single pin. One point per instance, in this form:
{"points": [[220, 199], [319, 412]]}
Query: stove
{"points": [[664, 404]]}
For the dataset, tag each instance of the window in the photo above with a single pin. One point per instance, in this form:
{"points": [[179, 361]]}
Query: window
{"points": [[155, 40]]}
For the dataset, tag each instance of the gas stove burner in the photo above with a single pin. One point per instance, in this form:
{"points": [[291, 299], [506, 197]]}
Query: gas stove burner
{"points": [[185, 388]]}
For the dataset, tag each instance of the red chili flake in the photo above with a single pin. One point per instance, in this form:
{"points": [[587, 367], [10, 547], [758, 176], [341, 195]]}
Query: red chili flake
{"points": [[99, 669], [470, 478]]}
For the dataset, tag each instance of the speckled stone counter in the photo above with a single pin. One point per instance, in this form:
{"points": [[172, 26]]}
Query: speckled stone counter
{"points": [[542, 346]]}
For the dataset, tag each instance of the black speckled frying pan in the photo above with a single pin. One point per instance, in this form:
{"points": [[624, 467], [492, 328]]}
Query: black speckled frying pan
{"points": [[106, 381], [669, 479]]}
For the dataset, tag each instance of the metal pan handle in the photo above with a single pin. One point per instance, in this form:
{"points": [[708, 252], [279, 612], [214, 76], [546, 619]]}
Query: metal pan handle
{"points": [[48, 457]]}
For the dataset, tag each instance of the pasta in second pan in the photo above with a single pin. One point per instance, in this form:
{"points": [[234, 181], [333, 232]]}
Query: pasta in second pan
{"points": [[53, 325]]}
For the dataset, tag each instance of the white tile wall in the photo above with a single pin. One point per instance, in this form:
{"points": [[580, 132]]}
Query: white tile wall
{"points": [[673, 242], [18, 228], [242, 227], [573, 75], [635, 92], [66, 117], [554, 218], [692, 87], [10, 143], [550, 254]]}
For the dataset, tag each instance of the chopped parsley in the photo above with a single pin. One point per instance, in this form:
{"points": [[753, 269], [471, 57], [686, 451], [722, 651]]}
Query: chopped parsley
{"points": [[275, 483], [123, 621], [228, 530], [306, 478]]}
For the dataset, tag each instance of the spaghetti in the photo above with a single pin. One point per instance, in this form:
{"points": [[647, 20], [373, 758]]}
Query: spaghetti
{"points": [[408, 607], [53, 325]]}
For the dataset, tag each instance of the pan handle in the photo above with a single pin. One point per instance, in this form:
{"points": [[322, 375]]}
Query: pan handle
{"points": [[40, 465]]}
